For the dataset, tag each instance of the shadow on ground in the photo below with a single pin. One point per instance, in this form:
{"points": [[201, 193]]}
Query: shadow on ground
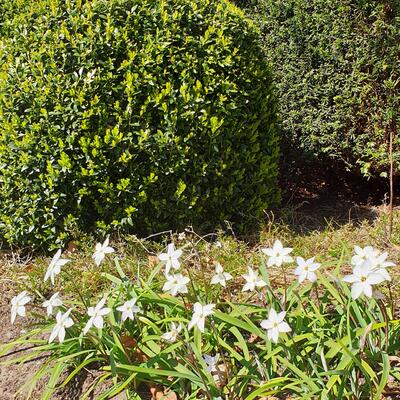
{"points": [[317, 197]]}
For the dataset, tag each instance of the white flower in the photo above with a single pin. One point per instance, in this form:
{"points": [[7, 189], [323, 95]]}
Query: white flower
{"points": [[171, 258], [381, 261], [18, 305], [63, 321], [305, 269], [363, 254], [200, 313], [54, 301], [128, 309], [362, 279], [96, 316], [176, 284], [372, 259], [220, 276], [212, 362], [101, 251], [54, 267], [278, 254], [252, 280], [218, 244], [275, 324], [172, 335], [379, 265]]}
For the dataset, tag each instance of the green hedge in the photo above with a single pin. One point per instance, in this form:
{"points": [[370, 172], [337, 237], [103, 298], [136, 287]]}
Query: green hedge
{"points": [[137, 115], [336, 65]]}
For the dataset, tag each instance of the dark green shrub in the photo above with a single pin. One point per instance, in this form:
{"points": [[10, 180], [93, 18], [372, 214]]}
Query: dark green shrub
{"points": [[336, 67], [132, 114]]}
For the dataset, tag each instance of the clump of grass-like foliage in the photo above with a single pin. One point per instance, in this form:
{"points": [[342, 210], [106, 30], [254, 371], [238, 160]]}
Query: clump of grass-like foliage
{"points": [[314, 337]]}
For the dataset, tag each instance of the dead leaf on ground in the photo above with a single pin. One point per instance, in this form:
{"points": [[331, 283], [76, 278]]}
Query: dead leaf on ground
{"points": [[130, 346], [160, 393]]}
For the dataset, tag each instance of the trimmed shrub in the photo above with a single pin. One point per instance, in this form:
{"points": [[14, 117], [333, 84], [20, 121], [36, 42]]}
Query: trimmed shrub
{"points": [[137, 115], [336, 68]]}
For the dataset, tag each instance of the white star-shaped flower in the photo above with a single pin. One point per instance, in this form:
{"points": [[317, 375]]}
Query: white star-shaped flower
{"points": [[220, 276], [200, 313], [96, 315], [63, 321], [212, 362], [305, 269], [380, 263], [362, 280], [54, 267], [101, 250], [171, 258], [252, 280], [176, 284], [362, 254], [275, 324], [173, 334], [278, 254], [18, 305], [54, 301], [128, 309]]}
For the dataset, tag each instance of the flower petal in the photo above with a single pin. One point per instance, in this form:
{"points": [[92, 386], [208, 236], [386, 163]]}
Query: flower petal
{"points": [[98, 322], [284, 327], [356, 290], [54, 334], [350, 278], [266, 324], [280, 317], [272, 316], [273, 335], [375, 278], [200, 324]]}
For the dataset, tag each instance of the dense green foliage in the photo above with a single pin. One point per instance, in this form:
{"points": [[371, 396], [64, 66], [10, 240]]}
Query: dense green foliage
{"points": [[131, 114], [336, 66]]}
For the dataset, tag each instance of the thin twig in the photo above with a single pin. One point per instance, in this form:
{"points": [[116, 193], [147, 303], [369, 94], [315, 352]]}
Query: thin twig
{"points": [[391, 129]]}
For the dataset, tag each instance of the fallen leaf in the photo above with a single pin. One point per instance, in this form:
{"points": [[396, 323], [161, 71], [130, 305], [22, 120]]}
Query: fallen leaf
{"points": [[159, 393], [130, 346]]}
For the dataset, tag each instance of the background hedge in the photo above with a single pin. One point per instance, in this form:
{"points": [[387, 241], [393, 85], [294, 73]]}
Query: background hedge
{"points": [[336, 68], [131, 114]]}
